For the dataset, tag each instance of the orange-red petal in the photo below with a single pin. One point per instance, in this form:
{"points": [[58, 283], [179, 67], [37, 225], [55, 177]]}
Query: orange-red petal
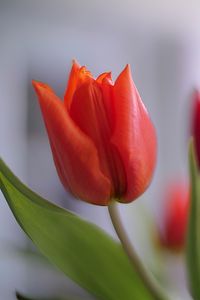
{"points": [[90, 112], [74, 153], [104, 77], [134, 136], [71, 84], [106, 85], [175, 216], [77, 76]]}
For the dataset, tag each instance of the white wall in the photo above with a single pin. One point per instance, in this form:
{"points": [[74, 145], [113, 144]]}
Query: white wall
{"points": [[38, 40]]}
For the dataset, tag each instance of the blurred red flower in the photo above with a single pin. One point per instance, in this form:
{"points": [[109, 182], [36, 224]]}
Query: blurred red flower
{"points": [[102, 139], [175, 217]]}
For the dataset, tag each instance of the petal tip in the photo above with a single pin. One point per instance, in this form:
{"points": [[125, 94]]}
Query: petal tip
{"points": [[75, 63], [196, 94], [109, 75], [35, 83], [37, 86], [127, 69], [125, 74], [40, 87]]}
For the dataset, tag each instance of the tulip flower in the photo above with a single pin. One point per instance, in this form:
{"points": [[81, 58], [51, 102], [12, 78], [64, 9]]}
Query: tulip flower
{"points": [[102, 139], [196, 124], [175, 217]]}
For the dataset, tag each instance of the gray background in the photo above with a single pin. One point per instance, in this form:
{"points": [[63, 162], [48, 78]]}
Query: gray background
{"points": [[38, 40]]}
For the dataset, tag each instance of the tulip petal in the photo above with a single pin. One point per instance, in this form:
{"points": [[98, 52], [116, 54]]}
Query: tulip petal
{"points": [[104, 76], [89, 111], [134, 136], [74, 153], [107, 91], [77, 75], [72, 81], [172, 233]]}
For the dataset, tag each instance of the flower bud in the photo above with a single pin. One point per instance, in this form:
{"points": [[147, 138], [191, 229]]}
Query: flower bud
{"points": [[175, 216], [102, 139]]}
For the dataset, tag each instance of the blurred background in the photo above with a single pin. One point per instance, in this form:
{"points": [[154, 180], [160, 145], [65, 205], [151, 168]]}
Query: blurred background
{"points": [[38, 40]]}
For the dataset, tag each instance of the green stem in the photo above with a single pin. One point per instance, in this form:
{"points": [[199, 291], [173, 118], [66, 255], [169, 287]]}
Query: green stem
{"points": [[145, 275]]}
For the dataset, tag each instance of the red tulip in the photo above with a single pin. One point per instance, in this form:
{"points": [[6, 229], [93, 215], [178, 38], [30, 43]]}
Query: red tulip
{"points": [[196, 124], [102, 139], [173, 233]]}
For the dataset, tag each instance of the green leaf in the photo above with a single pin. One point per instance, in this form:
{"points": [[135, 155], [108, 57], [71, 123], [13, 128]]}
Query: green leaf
{"points": [[80, 249], [193, 236], [19, 296], [22, 297]]}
